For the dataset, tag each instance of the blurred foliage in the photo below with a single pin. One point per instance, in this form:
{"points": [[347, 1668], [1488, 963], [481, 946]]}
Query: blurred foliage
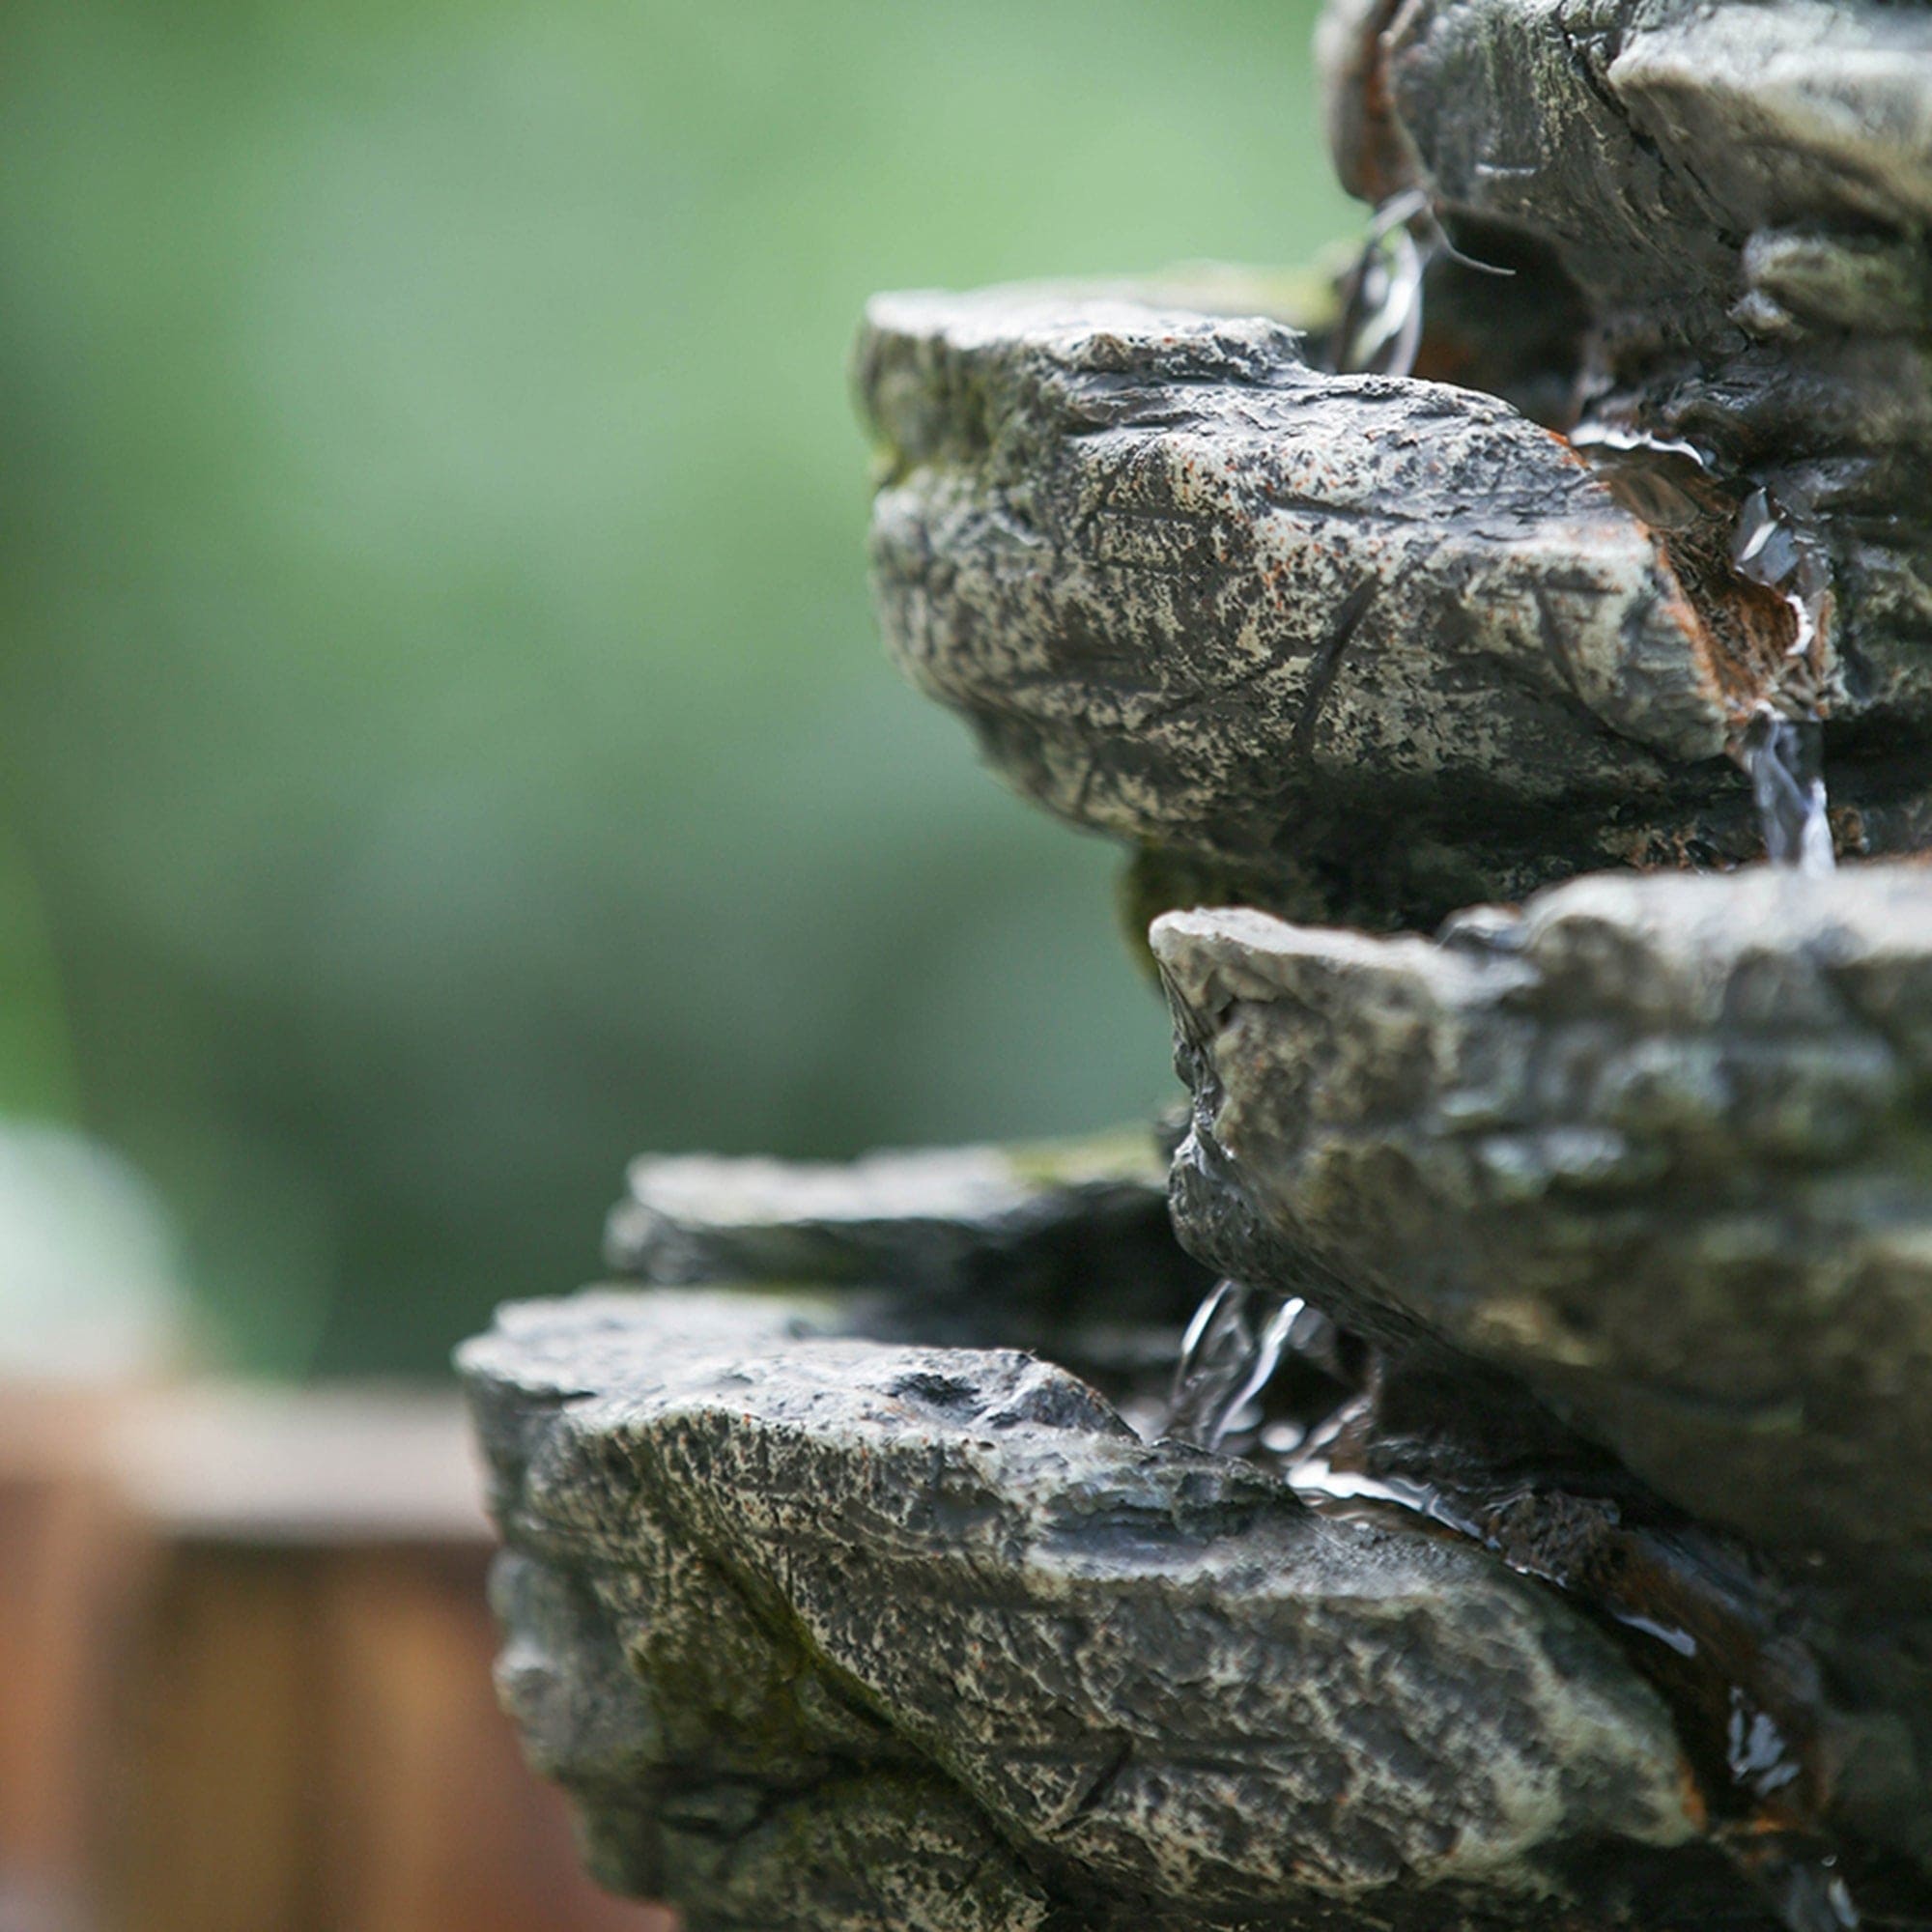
{"points": [[441, 727]]}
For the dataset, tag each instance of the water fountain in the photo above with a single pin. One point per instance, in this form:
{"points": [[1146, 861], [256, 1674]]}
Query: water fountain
{"points": [[1536, 1531]]}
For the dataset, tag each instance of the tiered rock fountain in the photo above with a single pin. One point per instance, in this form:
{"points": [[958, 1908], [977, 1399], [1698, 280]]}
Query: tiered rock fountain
{"points": [[1536, 1531]]}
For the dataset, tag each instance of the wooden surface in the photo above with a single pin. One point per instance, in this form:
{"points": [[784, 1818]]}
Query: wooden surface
{"points": [[245, 1658], [62, 1571]]}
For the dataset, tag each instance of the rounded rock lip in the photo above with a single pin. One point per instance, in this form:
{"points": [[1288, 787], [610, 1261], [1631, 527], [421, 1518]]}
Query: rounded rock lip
{"points": [[1654, 1145], [1375, 646], [1118, 430], [1258, 1705]]}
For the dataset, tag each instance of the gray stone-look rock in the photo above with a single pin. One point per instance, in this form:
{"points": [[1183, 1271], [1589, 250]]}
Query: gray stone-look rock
{"points": [[1055, 1243], [1192, 591], [1368, 645], [824, 1634], [1660, 1146]]}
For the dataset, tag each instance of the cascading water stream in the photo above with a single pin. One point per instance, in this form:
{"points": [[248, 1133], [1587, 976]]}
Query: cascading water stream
{"points": [[1784, 758], [1675, 488], [1782, 552]]}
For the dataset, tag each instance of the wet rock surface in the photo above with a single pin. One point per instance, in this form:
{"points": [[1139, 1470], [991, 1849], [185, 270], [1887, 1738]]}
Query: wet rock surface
{"points": [[1665, 1137], [1659, 1149], [1733, 199], [824, 1633]]}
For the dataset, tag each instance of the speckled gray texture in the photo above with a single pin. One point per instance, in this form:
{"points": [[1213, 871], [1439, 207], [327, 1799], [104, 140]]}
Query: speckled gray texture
{"points": [[1661, 1147], [829, 1634], [1194, 593], [1662, 1144]]}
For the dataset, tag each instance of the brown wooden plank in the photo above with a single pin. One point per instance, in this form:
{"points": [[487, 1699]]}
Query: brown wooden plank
{"points": [[208, 1814], [62, 1577], [437, 1821]]}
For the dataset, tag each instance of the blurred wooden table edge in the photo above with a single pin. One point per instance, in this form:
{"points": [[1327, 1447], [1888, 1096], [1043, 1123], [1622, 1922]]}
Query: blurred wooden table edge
{"points": [[247, 1660]]}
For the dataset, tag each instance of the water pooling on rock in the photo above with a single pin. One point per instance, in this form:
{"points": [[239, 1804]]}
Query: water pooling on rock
{"points": [[1704, 1623], [1700, 1621]]}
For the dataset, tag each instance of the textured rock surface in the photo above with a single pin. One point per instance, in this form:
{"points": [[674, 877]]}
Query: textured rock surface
{"points": [[828, 1634], [1662, 1143], [1739, 192], [1662, 1147], [1195, 592], [1067, 1242]]}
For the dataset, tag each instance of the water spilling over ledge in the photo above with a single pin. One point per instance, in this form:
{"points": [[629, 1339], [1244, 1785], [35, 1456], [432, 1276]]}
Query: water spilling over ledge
{"points": [[1537, 1529]]}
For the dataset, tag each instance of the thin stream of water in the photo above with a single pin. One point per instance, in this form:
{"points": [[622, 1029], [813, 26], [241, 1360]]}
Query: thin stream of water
{"points": [[1226, 1363], [1779, 550], [1381, 328], [1215, 1355], [1673, 486], [1784, 758]]}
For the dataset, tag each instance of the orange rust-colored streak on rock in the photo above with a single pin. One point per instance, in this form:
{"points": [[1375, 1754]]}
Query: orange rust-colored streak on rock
{"points": [[1737, 634], [1696, 1806], [1742, 632]]}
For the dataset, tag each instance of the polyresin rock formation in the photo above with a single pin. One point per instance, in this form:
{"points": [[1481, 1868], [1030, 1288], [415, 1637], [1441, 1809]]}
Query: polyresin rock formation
{"points": [[1375, 647], [1534, 1526], [1196, 592], [1661, 1151], [1658, 1145], [828, 1632], [1064, 1246]]}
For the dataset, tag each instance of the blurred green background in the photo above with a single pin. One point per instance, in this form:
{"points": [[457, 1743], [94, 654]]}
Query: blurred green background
{"points": [[444, 747]]}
